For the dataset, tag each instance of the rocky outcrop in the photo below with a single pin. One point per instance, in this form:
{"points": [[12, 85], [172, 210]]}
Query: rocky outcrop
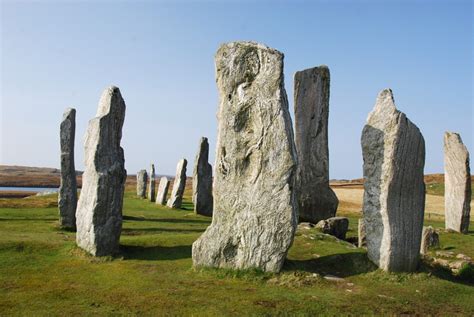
{"points": [[176, 198], [99, 211], [255, 209], [202, 180]]}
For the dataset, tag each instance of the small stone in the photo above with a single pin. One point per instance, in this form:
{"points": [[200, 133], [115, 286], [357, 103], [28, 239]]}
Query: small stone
{"points": [[67, 198], [202, 181], [335, 226], [463, 257], [333, 278], [445, 254], [457, 179], [142, 180], [429, 239], [305, 225], [151, 186], [441, 262], [362, 240], [456, 265], [176, 198], [162, 190]]}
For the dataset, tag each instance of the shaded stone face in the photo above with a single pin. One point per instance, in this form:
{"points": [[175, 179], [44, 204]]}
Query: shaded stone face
{"points": [[151, 189], [142, 180], [394, 191], [429, 239], [202, 180], [316, 200], [457, 183], [176, 198], [162, 190], [99, 211], [67, 198], [255, 207], [361, 241]]}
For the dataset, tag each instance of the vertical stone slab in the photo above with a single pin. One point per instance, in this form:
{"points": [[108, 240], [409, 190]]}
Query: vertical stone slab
{"points": [[457, 183], [151, 189], [67, 198], [99, 211], [142, 180], [162, 190], [176, 198], [316, 200], [202, 180], [255, 208], [429, 239], [394, 190], [361, 241]]}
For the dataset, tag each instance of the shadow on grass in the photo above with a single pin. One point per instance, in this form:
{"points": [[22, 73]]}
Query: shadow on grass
{"points": [[139, 231], [155, 253], [341, 265], [446, 274], [170, 220]]}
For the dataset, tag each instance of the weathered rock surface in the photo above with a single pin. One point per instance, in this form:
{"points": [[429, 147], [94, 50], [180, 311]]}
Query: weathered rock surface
{"points": [[394, 191], [99, 211], [142, 181], [179, 184], [317, 201], [202, 180], [362, 240], [335, 226], [255, 208], [429, 239], [162, 190], [457, 179], [67, 198], [151, 188]]}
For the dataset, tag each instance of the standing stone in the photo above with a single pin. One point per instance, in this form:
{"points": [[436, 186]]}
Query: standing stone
{"points": [[316, 200], [142, 180], [67, 199], [457, 183], [202, 180], [255, 208], [99, 211], [394, 191], [179, 184], [162, 190], [429, 239], [151, 189], [335, 226], [361, 240]]}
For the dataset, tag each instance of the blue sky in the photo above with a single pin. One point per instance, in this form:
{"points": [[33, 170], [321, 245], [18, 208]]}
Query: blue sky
{"points": [[160, 54]]}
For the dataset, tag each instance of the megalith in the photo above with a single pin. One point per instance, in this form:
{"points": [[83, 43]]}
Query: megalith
{"points": [[393, 149], [202, 180], [67, 198], [162, 190], [429, 239], [176, 198], [151, 188], [316, 200], [457, 183], [255, 208], [142, 180], [99, 211]]}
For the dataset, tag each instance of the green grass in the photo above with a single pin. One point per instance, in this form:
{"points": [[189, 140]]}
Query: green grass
{"points": [[438, 188], [43, 273]]}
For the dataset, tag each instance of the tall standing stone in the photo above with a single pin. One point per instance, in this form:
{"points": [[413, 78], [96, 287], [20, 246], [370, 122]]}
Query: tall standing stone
{"points": [[316, 200], [162, 190], [394, 190], [99, 211], [142, 180], [176, 198], [202, 180], [67, 199], [457, 183], [151, 189], [361, 240], [255, 208]]}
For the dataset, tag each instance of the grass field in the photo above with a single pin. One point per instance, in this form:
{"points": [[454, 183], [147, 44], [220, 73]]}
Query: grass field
{"points": [[43, 273]]}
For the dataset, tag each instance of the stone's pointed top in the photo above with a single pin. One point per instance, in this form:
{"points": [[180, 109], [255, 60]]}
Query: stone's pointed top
{"points": [[69, 112], [111, 97], [237, 44], [453, 136], [385, 100]]}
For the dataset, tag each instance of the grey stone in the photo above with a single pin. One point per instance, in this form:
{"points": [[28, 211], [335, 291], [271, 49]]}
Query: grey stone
{"points": [[176, 198], [362, 240], [142, 181], [335, 226], [457, 183], [151, 188], [67, 198], [317, 201], [99, 211], [162, 190], [255, 208], [429, 239], [305, 225], [202, 180], [393, 149]]}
